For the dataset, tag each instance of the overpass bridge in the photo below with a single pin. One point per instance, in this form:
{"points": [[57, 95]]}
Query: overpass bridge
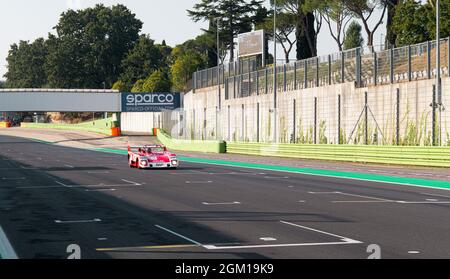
{"points": [[60, 100], [85, 100]]}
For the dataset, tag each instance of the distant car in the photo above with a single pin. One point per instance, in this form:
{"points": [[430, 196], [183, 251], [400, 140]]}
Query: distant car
{"points": [[151, 156]]}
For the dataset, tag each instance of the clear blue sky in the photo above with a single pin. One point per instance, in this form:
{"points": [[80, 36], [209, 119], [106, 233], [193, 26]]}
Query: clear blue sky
{"points": [[163, 19]]}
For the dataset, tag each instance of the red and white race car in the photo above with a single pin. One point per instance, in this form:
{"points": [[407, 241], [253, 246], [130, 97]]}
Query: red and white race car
{"points": [[151, 156]]}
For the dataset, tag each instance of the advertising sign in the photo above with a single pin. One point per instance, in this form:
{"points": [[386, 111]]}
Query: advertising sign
{"points": [[150, 102], [251, 43]]}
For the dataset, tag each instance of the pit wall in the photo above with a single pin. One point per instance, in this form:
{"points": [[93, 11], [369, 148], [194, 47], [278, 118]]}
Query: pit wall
{"points": [[313, 115]]}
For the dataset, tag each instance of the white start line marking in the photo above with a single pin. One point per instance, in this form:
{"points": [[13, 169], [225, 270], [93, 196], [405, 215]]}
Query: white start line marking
{"points": [[221, 203], [268, 239], [78, 221]]}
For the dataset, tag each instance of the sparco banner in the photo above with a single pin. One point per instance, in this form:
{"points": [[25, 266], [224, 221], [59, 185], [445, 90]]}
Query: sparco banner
{"points": [[150, 102]]}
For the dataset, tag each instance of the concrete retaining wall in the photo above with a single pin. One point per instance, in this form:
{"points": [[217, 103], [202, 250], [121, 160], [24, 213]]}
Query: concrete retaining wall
{"points": [[300, 120]]}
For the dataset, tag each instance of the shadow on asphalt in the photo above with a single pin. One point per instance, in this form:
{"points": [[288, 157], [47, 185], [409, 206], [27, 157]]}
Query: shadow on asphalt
{"points": [[34, 233]]}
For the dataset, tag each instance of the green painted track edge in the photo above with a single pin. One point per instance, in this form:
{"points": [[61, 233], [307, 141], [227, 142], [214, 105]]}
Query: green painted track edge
{"points": [[417, 182]]}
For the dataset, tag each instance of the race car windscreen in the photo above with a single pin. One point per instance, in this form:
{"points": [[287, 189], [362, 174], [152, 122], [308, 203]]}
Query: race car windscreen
{"points": [[156, 150]]}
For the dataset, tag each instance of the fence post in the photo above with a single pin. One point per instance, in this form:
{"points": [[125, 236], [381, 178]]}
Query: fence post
{"points": [[315, 120], [358, 67], [257, 122], [375, 68], [339, 120], [317, 71], [429, 59], [329, 69], [342, 67], [409, 64], [391, 65], [257, 83], [266, 72], [194, 82], [284, 77], [294, 121], [241, 77], [448, 56], [434, 120], [366, 119], [306, 73], [397, 140], [295, 75], [234, 87]]}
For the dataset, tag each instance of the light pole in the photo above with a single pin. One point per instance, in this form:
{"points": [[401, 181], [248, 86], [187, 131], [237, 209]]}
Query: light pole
{"points": [[438, 67], [275, 71], [218, 79], [218, 61]]}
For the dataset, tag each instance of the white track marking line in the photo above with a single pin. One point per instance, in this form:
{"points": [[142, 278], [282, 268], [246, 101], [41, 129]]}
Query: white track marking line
{"points": [[69, 166], [98, 172], [179, 235], [318, 231], [198, 182], [14, 178], [323, 193], [435, 195], [423, 202], [78, 221], [362, 201], [100, 190], [413, 252], [131, 182], [221, 203], [6, 249], [214, 247], [268, 239], [64, 185], [367, 197], [78, 186], [353, 195]]}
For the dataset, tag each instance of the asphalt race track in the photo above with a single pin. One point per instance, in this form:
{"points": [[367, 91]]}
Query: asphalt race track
{"points": [[53, 196]]}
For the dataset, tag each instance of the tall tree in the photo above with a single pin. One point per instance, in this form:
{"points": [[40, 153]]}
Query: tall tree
{"points": [[26, 64], [158, 81], [353, 36], [364, 10], [236, 16], [410, 23], [185, 65], [308, 24], [336, 16], [96, 39], [285, 28], [391, 35], [141, 61]]}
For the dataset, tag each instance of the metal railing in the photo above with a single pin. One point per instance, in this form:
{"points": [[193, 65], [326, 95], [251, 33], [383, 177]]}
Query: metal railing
{"points": [[363, 66]]}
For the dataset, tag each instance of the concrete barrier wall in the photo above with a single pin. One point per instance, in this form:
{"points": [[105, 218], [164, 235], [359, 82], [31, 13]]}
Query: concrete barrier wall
{"points": [[191, 145], [311, 115], [399, 155], [139, 123], [69, 127]]}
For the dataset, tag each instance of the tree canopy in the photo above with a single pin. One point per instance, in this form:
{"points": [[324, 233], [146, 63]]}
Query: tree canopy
{"points": [[235, 16]]}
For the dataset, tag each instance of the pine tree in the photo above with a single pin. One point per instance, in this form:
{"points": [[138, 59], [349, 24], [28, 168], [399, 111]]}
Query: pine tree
{"points": [[353, 36]]}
